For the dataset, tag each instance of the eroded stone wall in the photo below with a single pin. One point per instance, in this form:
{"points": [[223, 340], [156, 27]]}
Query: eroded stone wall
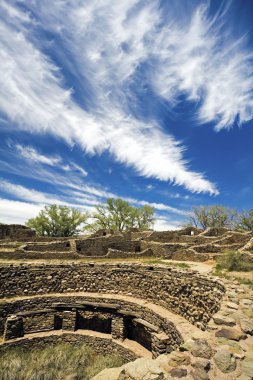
{"points": [[99, 246], [187, 293], [15, 231]]}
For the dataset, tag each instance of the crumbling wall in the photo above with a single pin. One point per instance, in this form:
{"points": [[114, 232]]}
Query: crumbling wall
{"points": [[15, 231], [99, 246]]}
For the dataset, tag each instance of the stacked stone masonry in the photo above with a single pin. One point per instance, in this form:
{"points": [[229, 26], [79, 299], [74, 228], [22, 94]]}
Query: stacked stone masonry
{"points": [[187, 293], [186, 244]]}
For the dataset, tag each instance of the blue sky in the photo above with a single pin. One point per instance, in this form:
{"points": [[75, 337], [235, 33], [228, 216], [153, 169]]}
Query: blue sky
{"points": [[150, 101]]}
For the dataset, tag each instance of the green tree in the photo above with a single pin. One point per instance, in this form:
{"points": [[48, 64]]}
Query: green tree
{"points": [[245, 221], [119, 215], [213, 216], [55, 220]]}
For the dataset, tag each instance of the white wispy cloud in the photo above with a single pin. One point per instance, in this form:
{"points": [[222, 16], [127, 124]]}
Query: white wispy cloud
{"points": [[199, 59], [106, 51], [107, 41], [31, 154]]}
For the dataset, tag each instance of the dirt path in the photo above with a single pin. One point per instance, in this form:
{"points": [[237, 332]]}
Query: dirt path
{"points": [[202, 267]]}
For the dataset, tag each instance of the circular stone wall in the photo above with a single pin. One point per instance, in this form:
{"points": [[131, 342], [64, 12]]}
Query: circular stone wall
{"points": [[187, 293]]}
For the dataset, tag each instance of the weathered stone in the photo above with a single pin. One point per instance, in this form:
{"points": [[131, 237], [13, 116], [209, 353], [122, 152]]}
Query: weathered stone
{"points": [[202, 364], [231, 345], [220, 319], [144, 369], [178, 372], [110, 373], [199, 374], [201, 348], [247, 367], [232, 305], [246, 326], [224, 361], [246, 302], [179, 358], [230, 333], [244, 377]]}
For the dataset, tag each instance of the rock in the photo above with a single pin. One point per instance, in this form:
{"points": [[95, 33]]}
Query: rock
{"points": [[244, 377], [232, 305], [178, 372], [199, 374], [247, 367], [233, 334], [179, 358], [246, 302], [224, 361], [186, 346], [232, 294], [220, 319], [110, 373], [246, 326], [140, 369], [202, 364], [201, 348]]}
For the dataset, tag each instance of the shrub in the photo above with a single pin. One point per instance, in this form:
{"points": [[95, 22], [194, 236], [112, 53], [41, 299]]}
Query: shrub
{"points": [[233, 261]]}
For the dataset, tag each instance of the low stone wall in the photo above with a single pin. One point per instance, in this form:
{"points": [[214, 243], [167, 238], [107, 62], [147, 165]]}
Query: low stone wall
{"points": [[49, 246], [99, 246], [100, 345], [38, 314], [187, 293], [15, 231]]}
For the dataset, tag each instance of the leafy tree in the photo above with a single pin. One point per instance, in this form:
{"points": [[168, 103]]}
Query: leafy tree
{"points": [[119, 215], [55, 220], [212, 216], [246, 220]]}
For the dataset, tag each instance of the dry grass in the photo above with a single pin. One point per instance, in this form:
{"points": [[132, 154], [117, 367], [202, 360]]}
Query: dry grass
{"points": [[61, 361]]}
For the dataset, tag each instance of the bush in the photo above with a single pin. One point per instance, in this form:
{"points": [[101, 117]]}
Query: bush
{"points": [[55, 362], [233, 261]]}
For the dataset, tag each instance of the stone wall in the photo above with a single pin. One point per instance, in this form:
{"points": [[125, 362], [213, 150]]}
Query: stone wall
{"points": [[187, 293], [56, 246], [33, 308], [99, 246], [121, 320], [15, 231]]}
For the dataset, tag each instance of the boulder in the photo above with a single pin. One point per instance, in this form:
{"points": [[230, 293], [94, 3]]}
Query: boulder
{"points": [[203, 364], [247, 367], [232, 305], [246, 326], [179, 358], [230, 333], [220, 319], [201, 348], [140, 369], [224, 361], [178, 372], [199, 374]]}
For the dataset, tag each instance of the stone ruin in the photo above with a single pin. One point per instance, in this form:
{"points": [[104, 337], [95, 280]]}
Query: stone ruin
{"points": [[15, 231], [186, 244], [193, 326]]}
